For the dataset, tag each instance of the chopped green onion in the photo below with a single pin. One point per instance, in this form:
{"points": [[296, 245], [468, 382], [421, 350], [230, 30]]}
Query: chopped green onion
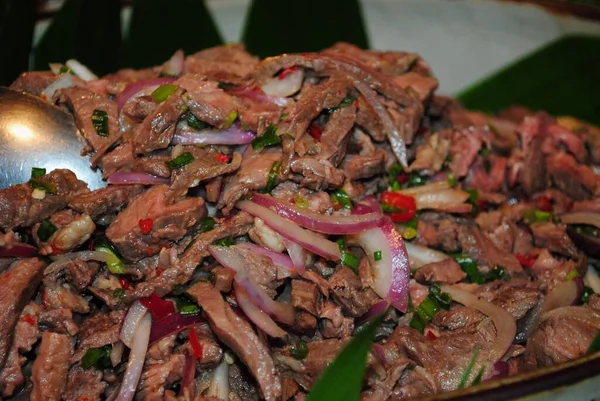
{"points": [[46, 230], [65, 70], [534, 216], [433, 303], [586, 294], [300, 201], [385, 208], [393, 172], [340, 197], [442, 298], [186, 306], [468, 265], [347, 258], [467, 373], [271, 178], [589, 231], [119, 293], [230, 119], [37, 172], [228, 241], [473, 200], [163, 92], [97, 357], [300, 350], [377, 255], [180, 161], [409, 233], [268, 138], [484, 151], [114, 264], [451, 180], [206, 225], [415, 179], [595, 344], [572, 274], [283, 116], [497, 273], [44, 186], [194, 122], [348, 100], [100, 122], [413, 223]]}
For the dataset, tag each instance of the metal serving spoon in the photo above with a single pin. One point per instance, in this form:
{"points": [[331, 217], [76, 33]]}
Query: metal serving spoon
{"points": [[34, 133]]}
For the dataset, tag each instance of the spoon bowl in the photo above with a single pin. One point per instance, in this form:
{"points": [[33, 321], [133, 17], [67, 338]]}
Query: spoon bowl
{"points": [[34, 133]]}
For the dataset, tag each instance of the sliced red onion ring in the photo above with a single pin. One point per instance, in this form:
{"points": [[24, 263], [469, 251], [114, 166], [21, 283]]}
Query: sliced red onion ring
{"points": [[174, 66], [116, 353], [307, 239], [376, 309], [392, 271], [61, 260], [565, 294], [137, 356], [499, 371], [120, 178], [257, 316], [64, 81], [138, 86], [219, 385], [420, 255], [232, 136], [506, 327], [326, 224], [251, 92], [187, 378], [133, 318], [172, 324], [297, 255], [81, 70], [276, 257], [284, 87], [587, 218], [18, 250]]}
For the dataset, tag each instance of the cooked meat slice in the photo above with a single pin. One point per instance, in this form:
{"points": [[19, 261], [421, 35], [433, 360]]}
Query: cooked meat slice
{"points": [[85, 104], [484, 252], [84, 384], [33, 82], [97, 331], [577, 180], [229, 63], [357, 167], [156, 376], [170, 222], [532, 132], [59, 321], [554, 237], [19, 283], [388, 62], [104, 201], [119, 80], [446, 271], [514, 298], [488, 174], [415, 383], [153, 164], [348, 290], [551, 272], [49, 371], [463, 150], [335, 134], [237, 333], [139, 108], [432, 154], [117, 159], [18, 208], [223, 278], [305, 296], [422, 85], [316, 174]]}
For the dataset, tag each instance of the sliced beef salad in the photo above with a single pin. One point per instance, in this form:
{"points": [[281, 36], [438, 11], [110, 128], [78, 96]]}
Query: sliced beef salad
{"points": [[258, 212]]}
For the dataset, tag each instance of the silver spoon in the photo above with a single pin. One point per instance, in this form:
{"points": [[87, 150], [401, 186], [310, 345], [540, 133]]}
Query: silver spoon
{"points": [[34, 133]]}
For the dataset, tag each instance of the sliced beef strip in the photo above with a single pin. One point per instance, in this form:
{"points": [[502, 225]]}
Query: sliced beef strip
{"points": [[554, 237], [241, 385], [229, 63], [422, 85], [170, 222], [157, 130], [316, 174], [463, 150], [237, 333], [487, 174], [59, 321], [139, 108], [27, 333], [358, 167], [335, 132], [153, 164], [512, 296], [97, 331], [550, 272], [446, 271], [207, 101], [119, 80], [119, 158], [83, 103], [305, 296], [33, 82], [532, 132], [432, 154], [104, 201], [414, 383], [577, 180], [349, 291], [436, 230], [84, 384], [204, 167], [261, 268], [49, 371], [18, 208], [388, 62], [223, 278], [20, 282], [382, 389], [257, 115], [485, 253], [156, 376]]}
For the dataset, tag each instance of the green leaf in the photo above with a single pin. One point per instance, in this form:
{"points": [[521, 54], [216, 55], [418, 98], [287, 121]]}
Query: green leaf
{"points": [[343, 378], [560, 78]]}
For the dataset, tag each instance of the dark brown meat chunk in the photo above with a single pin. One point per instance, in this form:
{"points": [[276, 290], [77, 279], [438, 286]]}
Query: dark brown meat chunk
{"points": [[156, 376], [104, 201], [33, 82], [97, 331], [463, 150], [19, 283], [304, 296], [577, 180], [333, 139], [348, 290], [223, 278], [358, 167], [484, 252], [513, 296], [446, 271], [80, 274], [316, 174], [532, 132], [239, 336], [554, 237], [84, 384], [49, 372], [170, 222], [18, 208], [229, 63], [117, 159]]}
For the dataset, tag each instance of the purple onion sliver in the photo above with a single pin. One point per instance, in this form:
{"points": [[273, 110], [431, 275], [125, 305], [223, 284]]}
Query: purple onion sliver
{"points": [[276, 257], [398, 292], [233, 136], [173, 323], [137, 86], [376, 309], [18, 250], [500, 370], [121, 178]]}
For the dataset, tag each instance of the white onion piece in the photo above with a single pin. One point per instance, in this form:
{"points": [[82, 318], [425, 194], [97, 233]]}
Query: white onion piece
{"points": [[448, 200], [506, 327], [592, 280], [392, 271], [255, 314], [137, 357], [133, 318], [116, 353], [276, 257], [307, 239], [232, 136], [587, 218], [174, 66], [61, 260], [427, 188], [419, 255], [55, 68], [64, 81], [284, 87], [566, 293], [297, 254], [81, 70], [219, 385]]}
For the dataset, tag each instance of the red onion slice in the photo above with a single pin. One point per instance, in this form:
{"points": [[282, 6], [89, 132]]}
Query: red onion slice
{"points": [[392, 271], [137, 357], [116, 353], [120, 178], [254, 93], [133, 318], [506, 327], [138, 86], [307, 239], [18, 250], [587, 218], [173, 323], [420, 255], [257, 316], [565, 294], [276, 257], [376, 309], [285, 87], [219, 385], [174, 66], [187, 377], [326, 224], [232, 136], [297, 254]]}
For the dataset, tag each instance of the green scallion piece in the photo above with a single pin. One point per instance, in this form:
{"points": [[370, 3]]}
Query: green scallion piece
{"points": [[97, 357], [535, 216], [433, 303], [65, 70], [207, 225], [37, 172], [46, 230], [194, 122], [230, 119], [271, 178], [340, 197], [377, 255], [300, 350], [595, 344], [180, 161], [415, 179], [186, 306], [228, 241], [346, 101], [468, 265], [163, 92], [119, 293], [100, 122], [572, 274], [300, 201], [469, 369], [409, 233], [586, 294], [115, 265], [347, 258], [44, 186], [268, 138]]}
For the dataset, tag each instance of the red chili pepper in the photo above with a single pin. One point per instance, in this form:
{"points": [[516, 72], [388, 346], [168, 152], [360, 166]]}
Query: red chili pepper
{"points": [[159, 271], [195, 344], [158, 306], [315, 130], [146, 225], [223, 158], [91, 245], [544, 204], [355, 104], [406, 204], [525, 261], [55, 250], [286, 72], [83, 398], [430, 334], [29, 319], [402, 178], [257, 89], [124, 283]]}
